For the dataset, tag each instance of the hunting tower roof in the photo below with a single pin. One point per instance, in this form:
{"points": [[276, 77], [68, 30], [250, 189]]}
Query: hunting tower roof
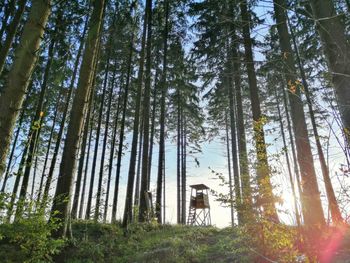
{"points": [[199, 186]]}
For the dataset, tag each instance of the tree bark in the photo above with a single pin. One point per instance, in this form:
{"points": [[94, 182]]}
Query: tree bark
{"points": [[227, 138], [232, 115], [75, 206], [178, 159], [39, 116], [97, 141], [90, 127], [332, 200], [64, 187], [63, 120], [286, 153], [247, 203], [164, 92], [127, 217], [19, 127], [110, 165], [313, 213], [49, 143], [143, 212], [263, 170], [26, 54]]}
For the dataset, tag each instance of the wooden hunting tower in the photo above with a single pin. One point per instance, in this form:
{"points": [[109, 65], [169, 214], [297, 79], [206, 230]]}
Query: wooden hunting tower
{"points": [[199, 211]]}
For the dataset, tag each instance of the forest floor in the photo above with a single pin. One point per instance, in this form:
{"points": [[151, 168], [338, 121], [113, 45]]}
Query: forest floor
{"points": [[174, 243], [143, 243]]}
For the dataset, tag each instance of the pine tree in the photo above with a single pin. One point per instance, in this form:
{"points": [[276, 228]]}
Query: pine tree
{"points": [[67, 167]]}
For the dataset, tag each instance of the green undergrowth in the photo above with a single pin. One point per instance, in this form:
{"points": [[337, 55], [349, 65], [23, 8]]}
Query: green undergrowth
{"points": [[31, 241], [154, 243]]}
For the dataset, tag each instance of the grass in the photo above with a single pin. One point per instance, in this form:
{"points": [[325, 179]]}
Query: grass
{"points": [[143, 243], [152, 243]]}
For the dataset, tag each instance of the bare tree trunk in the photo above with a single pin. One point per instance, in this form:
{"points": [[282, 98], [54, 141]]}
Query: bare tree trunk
{"points": [[313, 213], [164, 86], [63, 121], [110, 165], [236, 176], [184, 168], [143, 211], [120, 146], [178, 161], [64, 189], [34, 178], [11, 98], [74, 212], [99, 186], [263, 170], [247, 204], [138, 170], [291, 180], [131, 176], [153, 118], [39, 116], [91, 128], [49, 143], [19, 127], [332, 200], [292, 146], [19, 174], [229, 170]]}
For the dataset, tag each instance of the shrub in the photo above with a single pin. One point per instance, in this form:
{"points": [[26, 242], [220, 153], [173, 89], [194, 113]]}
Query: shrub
{"points": [[29, 240]]}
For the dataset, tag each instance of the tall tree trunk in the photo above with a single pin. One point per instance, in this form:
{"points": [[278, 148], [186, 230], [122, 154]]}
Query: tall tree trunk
{"points": [[178, 159], [153, 118], [247, 204], [99, 186], [291, 180], [227, 138], [100, 179], [292, 146], [184, 167], [19, 127], [138, 170], [11, 32], [110, 165], [236, 176], [164, 92], [263, 170], [313, 213], [87, 161], [58, 103], [127, 213], [75, 206], [127, 217], [39, 115], [63, 121], [26, 54], [19, 174], [332, 200], [32, 192], [32, 144], [143, 211], [336, 48], [80, 102]]}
